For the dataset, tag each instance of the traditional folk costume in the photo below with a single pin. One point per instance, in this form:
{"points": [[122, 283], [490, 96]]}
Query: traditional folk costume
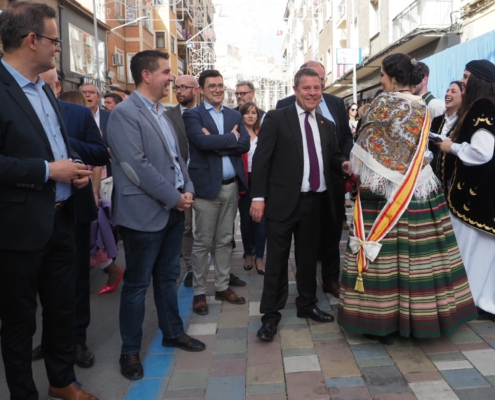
{"points": [[402, 270]]}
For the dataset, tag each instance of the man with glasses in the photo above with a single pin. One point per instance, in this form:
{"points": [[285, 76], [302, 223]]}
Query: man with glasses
{"points": [[43, 189], [93, 97], [217, 139], [333, 109], [186, 89], [244, 92]]}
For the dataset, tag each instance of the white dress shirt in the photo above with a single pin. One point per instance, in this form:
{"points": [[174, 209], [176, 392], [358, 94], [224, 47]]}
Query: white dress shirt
{"points": [[97, 117]]}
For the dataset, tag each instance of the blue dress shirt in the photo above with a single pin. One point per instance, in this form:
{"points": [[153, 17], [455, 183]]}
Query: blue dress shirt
{"points": [[227, 167], [157, 110], [49, 120], [326, 112]]}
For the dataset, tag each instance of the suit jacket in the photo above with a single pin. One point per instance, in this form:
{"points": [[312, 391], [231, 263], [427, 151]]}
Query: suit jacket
{"points": [[337, 107], [143, 168], [84, 135], [206, 151], [175, 116], [104, 117], [277, 169], [26, 200]]}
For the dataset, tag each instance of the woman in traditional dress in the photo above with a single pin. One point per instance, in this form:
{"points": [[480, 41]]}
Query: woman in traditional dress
{"points": [[471, 183], [402, 270]]}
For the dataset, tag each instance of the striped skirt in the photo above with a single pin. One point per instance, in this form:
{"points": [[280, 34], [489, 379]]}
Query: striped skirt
{"points": [[417, 285]]}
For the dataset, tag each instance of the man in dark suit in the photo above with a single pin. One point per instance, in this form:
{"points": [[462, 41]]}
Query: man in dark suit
{"points": [[217, 139], [333, 109], [43, 184], [297, 149], [93, 97], [85, 139], [244, 92]]}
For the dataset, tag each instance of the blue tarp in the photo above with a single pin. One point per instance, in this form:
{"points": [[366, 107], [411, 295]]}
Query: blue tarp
{"points": [[448, 65]]}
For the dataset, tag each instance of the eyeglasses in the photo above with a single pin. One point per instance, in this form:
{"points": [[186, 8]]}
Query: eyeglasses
{"points": [[55, 42], [242, 94], [220, 87], [182, 88], [88, 92]]}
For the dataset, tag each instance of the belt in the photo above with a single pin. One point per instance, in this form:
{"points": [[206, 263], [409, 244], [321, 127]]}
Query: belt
{"points": [[229, 181], [59, 206], [309, 194]]}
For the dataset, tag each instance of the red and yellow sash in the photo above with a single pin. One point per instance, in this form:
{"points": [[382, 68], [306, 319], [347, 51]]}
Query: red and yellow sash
{"points": [[368, 248]]}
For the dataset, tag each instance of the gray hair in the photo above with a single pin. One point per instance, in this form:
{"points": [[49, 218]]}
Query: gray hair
{"points": [[245, 83], [92, 84], [304, 72], [311, 62]]}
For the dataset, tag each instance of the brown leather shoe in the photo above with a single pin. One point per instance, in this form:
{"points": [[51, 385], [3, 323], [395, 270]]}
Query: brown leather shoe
{"points": [[332, 288], [200, 306], [72, 392], [230, 296]]}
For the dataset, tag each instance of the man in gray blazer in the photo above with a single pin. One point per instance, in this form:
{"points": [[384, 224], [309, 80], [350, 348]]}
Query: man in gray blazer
{"points": [[152, 190]]}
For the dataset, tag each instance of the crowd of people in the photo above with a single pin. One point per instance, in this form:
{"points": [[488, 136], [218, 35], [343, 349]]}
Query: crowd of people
{"points": [[75, 177]]}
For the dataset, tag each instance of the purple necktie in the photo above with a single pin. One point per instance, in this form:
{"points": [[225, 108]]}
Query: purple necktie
{"points": [[314, 168]]}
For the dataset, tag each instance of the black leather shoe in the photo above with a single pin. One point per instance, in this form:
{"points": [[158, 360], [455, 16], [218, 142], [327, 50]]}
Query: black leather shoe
{"points": [[131, 367], [267, 331], [236, 281], [188, 279], [184, 342], [37, 353], [316, 315], [84, 356]]}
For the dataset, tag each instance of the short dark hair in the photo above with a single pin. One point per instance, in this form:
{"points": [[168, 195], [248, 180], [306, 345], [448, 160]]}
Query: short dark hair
{"points": [[403, 68], [208, 73], [246, 107], [116, 98], [145, 60], [425, 68], [304, 72], [20, 19]]}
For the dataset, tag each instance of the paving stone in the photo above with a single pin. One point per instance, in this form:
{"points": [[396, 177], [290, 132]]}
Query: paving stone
{"points": [[423, 377], [231, 388], [296, 339], [372, 350], [455, 356], [219, 369], [492, 344], [483, 328], [491, 379], [202, 329], [229, 356], [333, 350], [306, 385], [324, 327], [356, 338], [298, 352], [488, 338], [411, 360], [265, 374], [254, 308], [465, 378], [301, 364], [472, 346], [253, 339], [142, 390], [339, 369], [276, 396], [232, 333], [158, 365], [476, 393], [266, 388], [328, 335], [350, 393], [182, 394], [233, 320], [188, 380], [375, 362], [438, 345], [264, 354], [483, 360], [196, 361], [464, 336], [292, 321], [437, 390], [449, 365], [395, 396], [292, 327], [383, 380], [213, 310], [224, 346], [402, 342], [344, 382], [254, 326]]}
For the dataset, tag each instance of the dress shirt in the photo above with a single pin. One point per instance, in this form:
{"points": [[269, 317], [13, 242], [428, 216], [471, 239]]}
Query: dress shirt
{"points": [[97, 117], [325, 111], [252, 149], [183, 108], [49, 120], [157, 110], [305, 187], [227, 167]]}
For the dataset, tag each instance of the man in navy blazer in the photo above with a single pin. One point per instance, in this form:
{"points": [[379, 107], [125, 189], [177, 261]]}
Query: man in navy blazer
{"points": [[333, 109], [217, 139]]}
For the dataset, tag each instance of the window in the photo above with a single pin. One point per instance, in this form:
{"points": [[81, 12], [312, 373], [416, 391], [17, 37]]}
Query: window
{"points": [[129, 75], [173, 44], [374, 16], [120, 68], [160, 40]]}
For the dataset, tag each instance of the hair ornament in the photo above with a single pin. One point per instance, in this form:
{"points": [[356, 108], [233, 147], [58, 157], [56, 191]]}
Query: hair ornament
{"points": [[414, 62]]}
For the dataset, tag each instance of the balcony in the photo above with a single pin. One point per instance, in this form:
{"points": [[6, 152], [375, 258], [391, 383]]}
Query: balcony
{"points": [[184, 10], [180, 35], [181, 64], [422, 14], [341, 15]]}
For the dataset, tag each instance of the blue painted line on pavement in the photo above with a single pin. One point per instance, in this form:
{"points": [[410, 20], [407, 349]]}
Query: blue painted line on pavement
{"points": [[159, 361]]}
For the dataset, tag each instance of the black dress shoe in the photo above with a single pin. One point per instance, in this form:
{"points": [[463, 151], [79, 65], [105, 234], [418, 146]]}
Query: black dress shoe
{"points": [[131, 367], [37, 353], [267, 331], [236, 281], [188, 279], [184, 342], [84, 356], [315, 314]]}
